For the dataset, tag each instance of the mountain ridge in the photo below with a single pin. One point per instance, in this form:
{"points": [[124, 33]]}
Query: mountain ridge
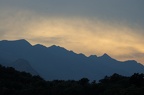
{"points": [[56, 62], [59, 47]]}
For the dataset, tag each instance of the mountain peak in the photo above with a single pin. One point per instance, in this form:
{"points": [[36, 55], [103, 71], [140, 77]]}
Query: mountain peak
{"points": [[22, 41], [40, 46], [56, 47], [105, 56], [18, 42]]}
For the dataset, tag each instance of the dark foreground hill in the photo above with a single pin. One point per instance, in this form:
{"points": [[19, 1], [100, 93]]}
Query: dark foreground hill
{"points": [[13, 82], [55, 62]]}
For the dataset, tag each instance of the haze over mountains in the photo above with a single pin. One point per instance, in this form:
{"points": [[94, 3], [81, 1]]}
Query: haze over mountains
{"points": [[55, 62]]}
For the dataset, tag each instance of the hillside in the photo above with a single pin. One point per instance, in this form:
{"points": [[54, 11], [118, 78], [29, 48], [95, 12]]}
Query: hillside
{"points": [[56, 62]]}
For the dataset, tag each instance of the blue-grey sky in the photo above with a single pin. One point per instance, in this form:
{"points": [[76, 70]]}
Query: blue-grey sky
{"points": [[101, 26], [129, 10]]}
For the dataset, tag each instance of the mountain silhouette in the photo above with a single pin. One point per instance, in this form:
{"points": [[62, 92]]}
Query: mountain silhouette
{"points": [[56, 62], [18, 64]]}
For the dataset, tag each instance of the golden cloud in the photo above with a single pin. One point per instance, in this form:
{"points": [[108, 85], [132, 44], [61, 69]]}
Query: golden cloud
{"points": [[82, 35]]}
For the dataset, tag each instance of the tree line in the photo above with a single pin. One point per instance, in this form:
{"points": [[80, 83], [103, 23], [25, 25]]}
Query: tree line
{"points": [[13, 82]]}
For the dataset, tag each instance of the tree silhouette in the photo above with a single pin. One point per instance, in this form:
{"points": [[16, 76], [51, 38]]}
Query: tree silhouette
{"points": [[13, 82]]}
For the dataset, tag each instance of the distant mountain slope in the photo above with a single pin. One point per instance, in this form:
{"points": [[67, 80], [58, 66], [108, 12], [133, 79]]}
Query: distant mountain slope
{"points": [[18, 64], [58, 63]]}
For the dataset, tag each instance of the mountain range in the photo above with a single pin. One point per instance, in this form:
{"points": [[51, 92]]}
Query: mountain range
{"points": [[56, 62]]}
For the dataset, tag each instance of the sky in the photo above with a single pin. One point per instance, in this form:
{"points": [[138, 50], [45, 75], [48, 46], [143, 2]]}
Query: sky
{"points": [[91, 27]]}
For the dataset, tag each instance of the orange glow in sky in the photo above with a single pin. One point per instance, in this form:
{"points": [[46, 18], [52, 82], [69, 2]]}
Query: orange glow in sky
{"points": [[82, 35]]}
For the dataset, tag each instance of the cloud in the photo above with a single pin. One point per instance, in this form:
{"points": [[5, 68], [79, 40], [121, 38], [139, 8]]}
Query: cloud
{"points": [[80, 34]]}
